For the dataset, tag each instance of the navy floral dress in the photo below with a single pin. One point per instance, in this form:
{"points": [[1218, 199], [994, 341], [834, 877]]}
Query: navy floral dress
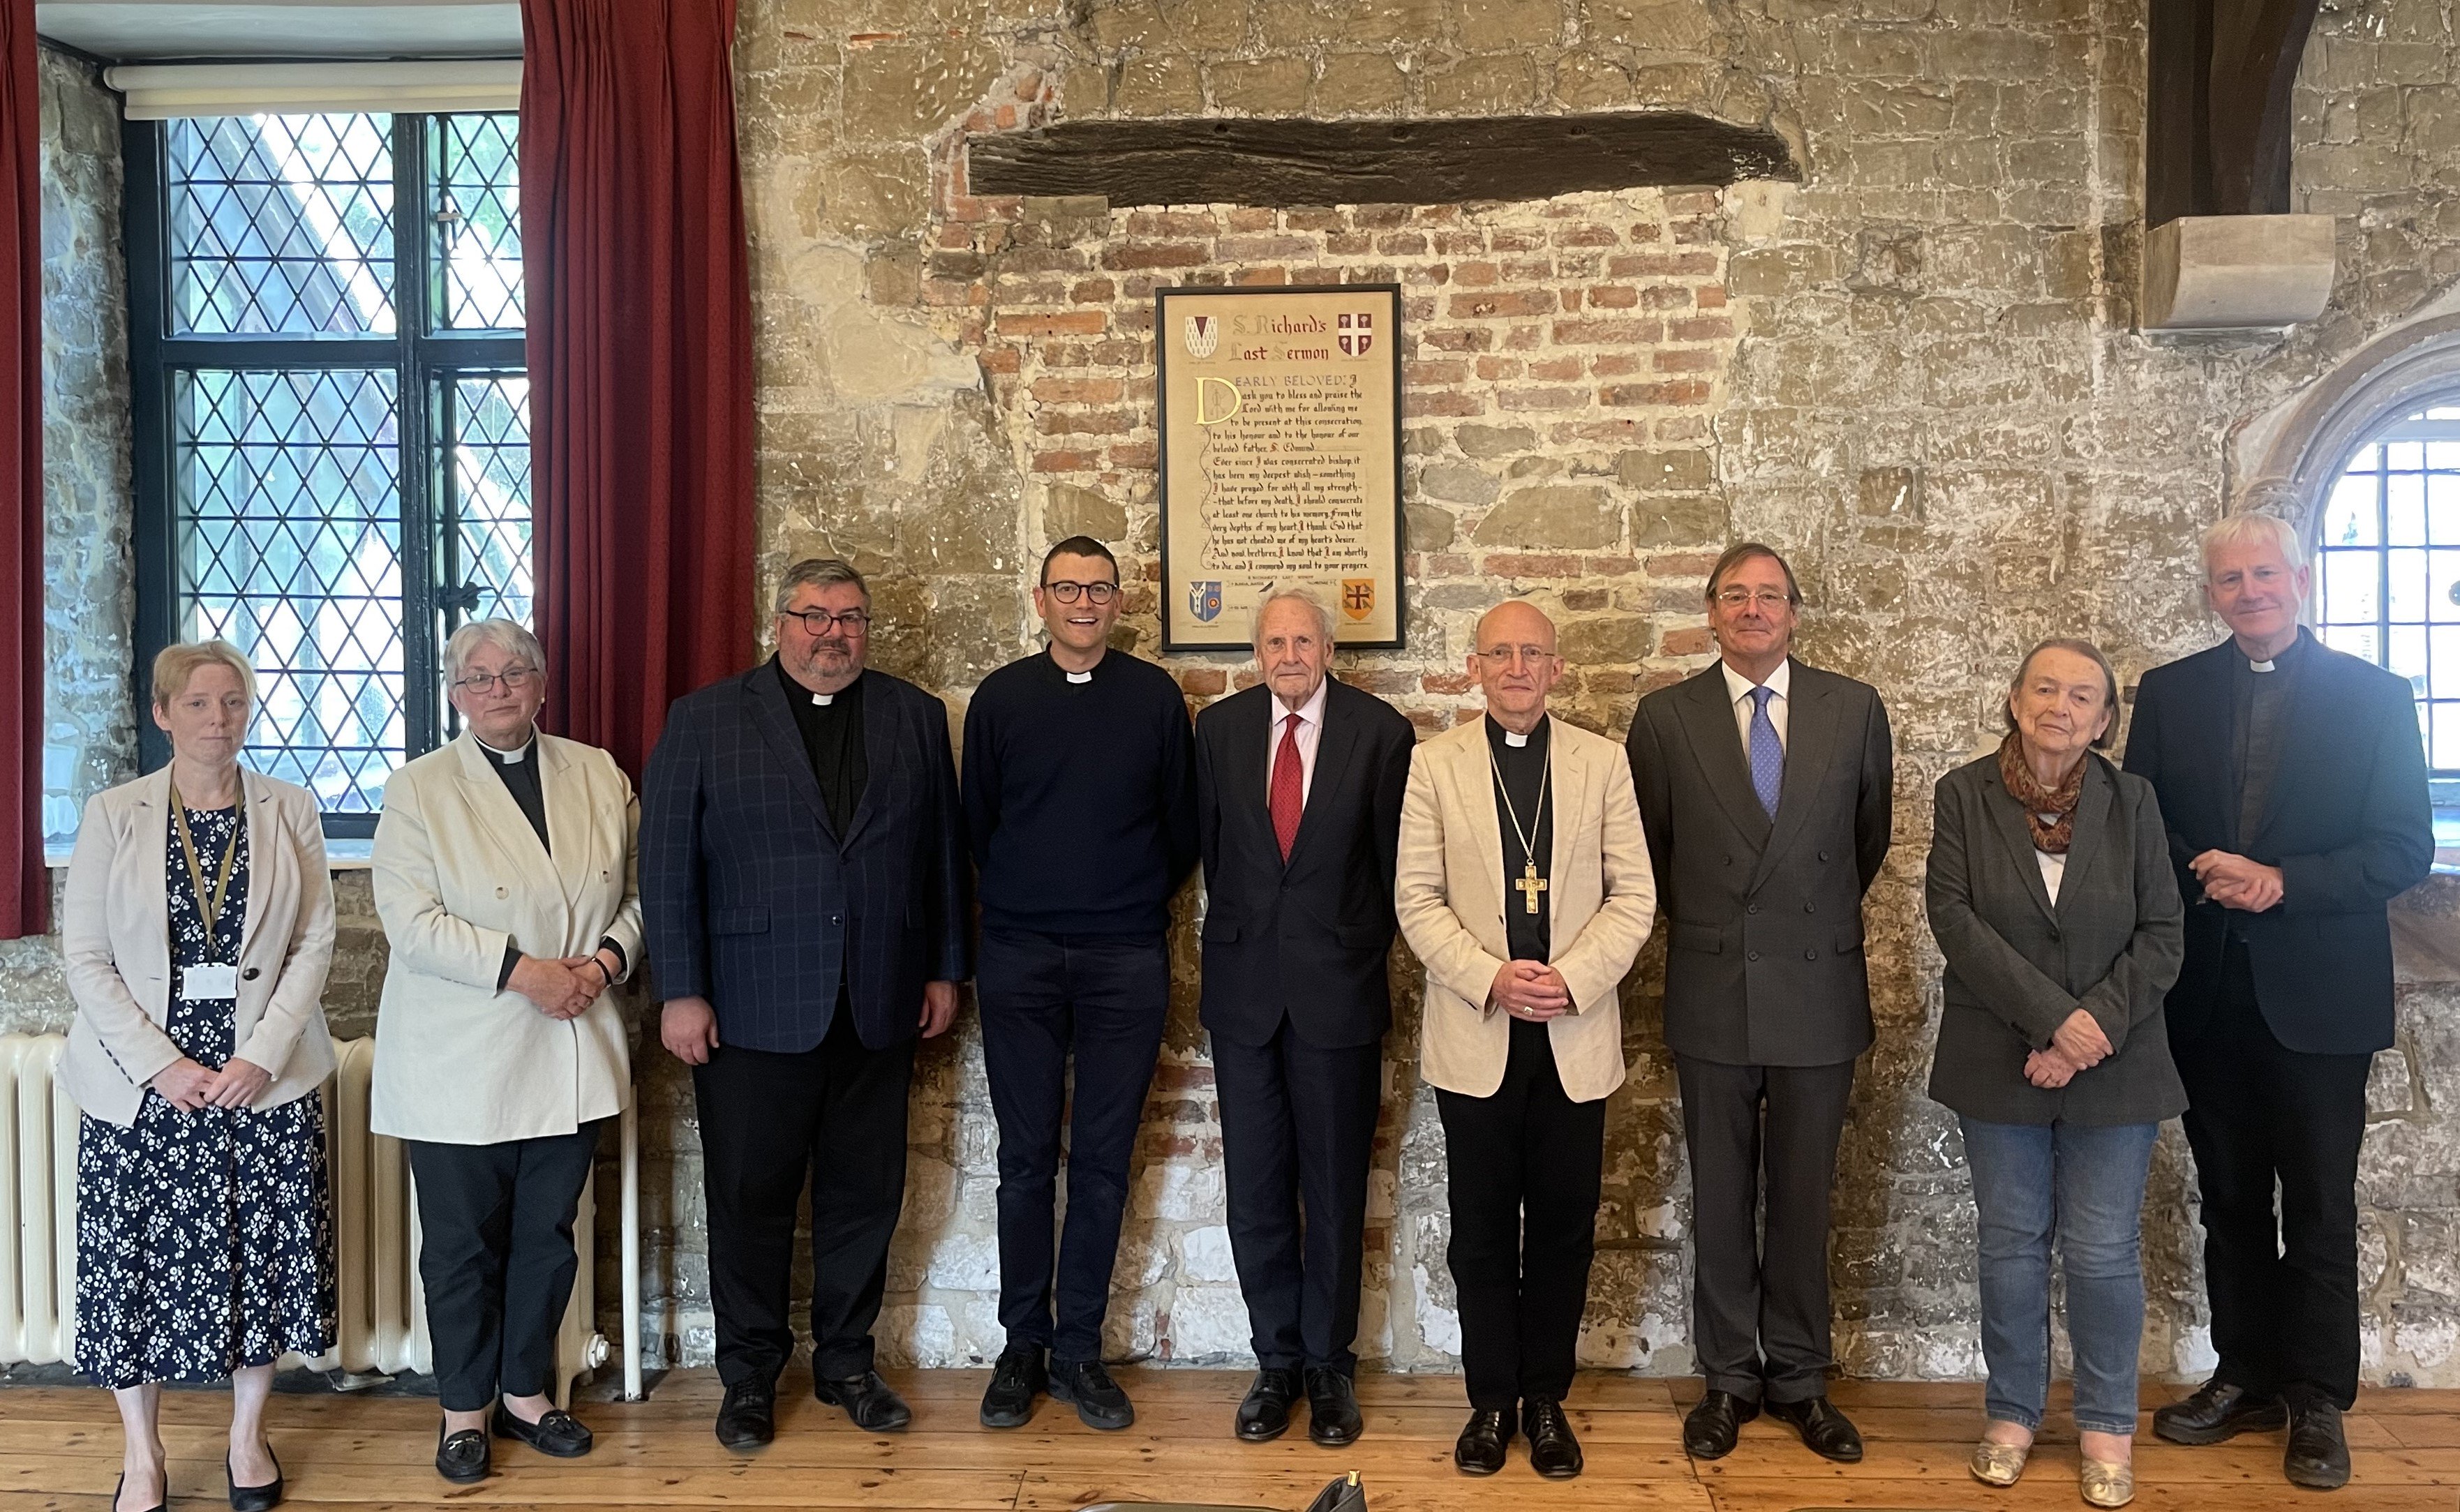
{"points": [[205, 1239]]}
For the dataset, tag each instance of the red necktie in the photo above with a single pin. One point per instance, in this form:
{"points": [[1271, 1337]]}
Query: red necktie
{"points": [[1289, 789]]}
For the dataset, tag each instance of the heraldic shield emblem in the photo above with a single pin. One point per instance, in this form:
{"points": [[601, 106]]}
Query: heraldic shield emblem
{"points": [[1202, 333], [1358, 597], [1204, 598], [1357, 333]]}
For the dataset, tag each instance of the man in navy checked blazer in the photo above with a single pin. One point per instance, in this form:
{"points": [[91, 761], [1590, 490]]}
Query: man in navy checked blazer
{"points": [[807, 894]]}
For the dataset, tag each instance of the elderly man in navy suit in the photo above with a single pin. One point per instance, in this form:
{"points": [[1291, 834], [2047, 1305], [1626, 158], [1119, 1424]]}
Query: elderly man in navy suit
{"points": [[804, 879], [1298, 811]]}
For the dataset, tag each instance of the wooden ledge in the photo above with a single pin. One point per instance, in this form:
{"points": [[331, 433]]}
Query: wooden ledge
{"points": [[1283, 163]]}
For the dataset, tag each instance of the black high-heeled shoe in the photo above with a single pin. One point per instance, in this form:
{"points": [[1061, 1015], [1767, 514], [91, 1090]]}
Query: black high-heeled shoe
{"points": [[256, 1497], [162, 1505]]}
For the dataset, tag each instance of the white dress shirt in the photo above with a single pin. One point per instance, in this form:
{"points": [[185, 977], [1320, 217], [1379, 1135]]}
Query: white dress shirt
{"points": [[1311, 734], [1738, 689], [2054, 871]]}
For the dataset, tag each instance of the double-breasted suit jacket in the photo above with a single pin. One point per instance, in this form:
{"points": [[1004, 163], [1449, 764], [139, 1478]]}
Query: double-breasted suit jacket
{"points": [[458, 876], [1449, 898], [1764, 961], [1309, 938]]}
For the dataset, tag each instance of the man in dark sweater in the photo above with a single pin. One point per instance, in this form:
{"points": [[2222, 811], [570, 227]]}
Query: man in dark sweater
{"points": [[1080, 793]]}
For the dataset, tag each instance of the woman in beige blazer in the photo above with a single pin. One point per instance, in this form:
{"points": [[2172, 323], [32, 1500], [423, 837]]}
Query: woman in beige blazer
{"points": [[505, 878], [1524, 884], [197, 928]]}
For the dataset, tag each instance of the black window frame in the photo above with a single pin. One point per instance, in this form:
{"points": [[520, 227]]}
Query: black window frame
{"points": [[426, 361]]}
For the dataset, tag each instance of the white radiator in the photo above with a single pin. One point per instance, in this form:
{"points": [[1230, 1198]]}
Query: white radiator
{"points": [[383, 1308]]}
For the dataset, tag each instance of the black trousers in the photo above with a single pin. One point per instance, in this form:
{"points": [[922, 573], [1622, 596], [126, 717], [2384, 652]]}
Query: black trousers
{"points": [[1759, 1306], [1045, 998], [2283, 1282], [834, 1116], [495, 1258], [1298, 1132], [1524, 1167]]}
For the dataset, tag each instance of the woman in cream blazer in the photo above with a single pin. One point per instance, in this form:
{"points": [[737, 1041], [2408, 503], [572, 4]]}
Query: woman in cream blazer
{"points": [[506, 877], [196, 927]]}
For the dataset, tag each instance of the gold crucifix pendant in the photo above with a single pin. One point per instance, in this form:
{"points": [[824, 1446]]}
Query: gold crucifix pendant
{"points": [[1530, 885]]}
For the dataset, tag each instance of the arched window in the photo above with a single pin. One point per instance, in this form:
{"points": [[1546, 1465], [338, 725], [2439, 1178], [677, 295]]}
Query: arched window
{"points": [[2388, 563]]}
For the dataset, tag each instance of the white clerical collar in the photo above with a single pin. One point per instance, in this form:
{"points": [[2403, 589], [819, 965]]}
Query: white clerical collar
{"points": [[1079, 677], [823, 700], [1738, 687], [1516, 739], [2261, 666], [513, 757]]}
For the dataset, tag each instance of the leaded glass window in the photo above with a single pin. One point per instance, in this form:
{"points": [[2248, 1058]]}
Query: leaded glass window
{"points": [[2388, 566], [333, 419]]}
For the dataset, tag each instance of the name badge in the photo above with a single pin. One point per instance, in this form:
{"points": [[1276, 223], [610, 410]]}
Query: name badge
{"points": [[208, 983]]}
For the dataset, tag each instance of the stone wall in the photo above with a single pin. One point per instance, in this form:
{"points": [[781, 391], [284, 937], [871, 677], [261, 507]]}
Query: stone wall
{"points": [[90, 734], [1914, 372]]}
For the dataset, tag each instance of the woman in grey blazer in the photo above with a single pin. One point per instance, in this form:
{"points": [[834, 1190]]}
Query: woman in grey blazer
{"points": [[2052, 898]]}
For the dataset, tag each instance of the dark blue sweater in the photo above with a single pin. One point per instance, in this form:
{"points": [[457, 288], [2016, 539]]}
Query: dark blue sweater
{"points": [[1081, 797]]}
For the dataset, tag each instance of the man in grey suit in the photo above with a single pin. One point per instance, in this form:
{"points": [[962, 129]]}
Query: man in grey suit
{"points": [[1765, 787]]}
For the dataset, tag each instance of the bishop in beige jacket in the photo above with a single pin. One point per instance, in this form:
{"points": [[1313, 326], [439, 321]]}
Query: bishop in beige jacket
{"points": [[1524, 887], [505, 879]]}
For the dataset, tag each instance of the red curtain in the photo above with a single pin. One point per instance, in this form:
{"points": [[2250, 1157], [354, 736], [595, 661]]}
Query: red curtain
{"points": [[640, 358], [25, 886]]}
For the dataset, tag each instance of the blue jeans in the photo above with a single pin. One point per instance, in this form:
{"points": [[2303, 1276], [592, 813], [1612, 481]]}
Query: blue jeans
{"points": [[2084, 1183]]}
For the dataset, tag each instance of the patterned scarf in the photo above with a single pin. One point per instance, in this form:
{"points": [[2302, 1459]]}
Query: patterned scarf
{"points": [[2036, 799]]}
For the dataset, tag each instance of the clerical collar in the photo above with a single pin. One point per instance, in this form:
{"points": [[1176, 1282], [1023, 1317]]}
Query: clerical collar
{"points": [[1080, 679], [797, 692], [2278, 657], [509, 758], [1514, 738]]}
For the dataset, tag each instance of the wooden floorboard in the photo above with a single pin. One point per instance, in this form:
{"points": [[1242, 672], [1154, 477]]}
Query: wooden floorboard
{"points": [[59, 1452]]}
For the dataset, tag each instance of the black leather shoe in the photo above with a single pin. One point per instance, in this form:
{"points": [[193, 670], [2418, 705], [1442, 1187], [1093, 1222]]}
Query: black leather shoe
{"points": [[556, 1433], [1332, 1409], [2319, 1452], [1016, 1380], [1265, 1413], [2218, 1411], [256, 1497], [1710, 1427], [1825, 1431], [1099, 1401], [162, 1505], [868, 1400], [464, 1457], [1553, 1451], [1478, 1451], [748, 1417]]}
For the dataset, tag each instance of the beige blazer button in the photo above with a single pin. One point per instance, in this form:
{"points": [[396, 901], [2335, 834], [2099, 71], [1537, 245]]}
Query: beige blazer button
{"points": [[499, 892]]}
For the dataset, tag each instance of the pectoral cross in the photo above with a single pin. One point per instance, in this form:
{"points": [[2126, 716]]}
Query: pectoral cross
{"points": [[1530, 885]]}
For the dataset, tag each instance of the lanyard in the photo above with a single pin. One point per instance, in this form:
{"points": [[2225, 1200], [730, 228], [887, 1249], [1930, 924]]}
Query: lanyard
{"points": [[209, 904]]}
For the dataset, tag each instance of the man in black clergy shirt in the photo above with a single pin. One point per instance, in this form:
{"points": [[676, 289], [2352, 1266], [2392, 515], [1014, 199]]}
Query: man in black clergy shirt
{"points": [[2294, 789], [1298, 806], [1081, 800], [804, 886]]}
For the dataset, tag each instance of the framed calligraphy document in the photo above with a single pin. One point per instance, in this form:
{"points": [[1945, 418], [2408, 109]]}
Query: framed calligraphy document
{"points": [[1279, 412]]}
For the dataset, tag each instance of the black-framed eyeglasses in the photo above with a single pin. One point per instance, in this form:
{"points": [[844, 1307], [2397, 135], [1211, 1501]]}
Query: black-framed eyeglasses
{"points": [[819, 621], [514, 679], [1092, 592]]}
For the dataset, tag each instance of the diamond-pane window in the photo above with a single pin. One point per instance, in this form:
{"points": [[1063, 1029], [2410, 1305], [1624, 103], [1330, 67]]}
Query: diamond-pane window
{"points": [[288, 487], [346, 478], [281, 224], [2388, 566], [477, 221], [488, 516]]}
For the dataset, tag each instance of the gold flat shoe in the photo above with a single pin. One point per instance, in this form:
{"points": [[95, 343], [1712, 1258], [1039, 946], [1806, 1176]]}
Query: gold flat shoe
{"points": [[2107, 1485], [1998, 1465]]}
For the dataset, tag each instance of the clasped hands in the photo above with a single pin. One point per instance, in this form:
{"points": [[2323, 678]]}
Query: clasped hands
{"points": [[2077, 1045], [1528, 989], [687, 1026], [189, 1086], [563, 988], [2232, 881]]}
